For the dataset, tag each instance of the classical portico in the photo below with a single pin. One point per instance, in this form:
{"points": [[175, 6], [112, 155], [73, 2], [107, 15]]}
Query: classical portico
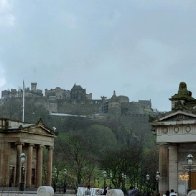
{"points": [[37, 142], [176, 136]]}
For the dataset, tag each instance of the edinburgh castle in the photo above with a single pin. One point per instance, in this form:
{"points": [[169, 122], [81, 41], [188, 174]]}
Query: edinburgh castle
{"points": [[76, 102], [54, 99]]}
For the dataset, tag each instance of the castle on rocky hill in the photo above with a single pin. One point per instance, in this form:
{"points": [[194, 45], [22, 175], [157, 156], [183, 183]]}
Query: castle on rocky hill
{"points": [[77, 101]]}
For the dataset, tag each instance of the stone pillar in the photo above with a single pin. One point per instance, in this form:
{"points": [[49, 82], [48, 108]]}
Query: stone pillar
{"points": [[6, 169], [163, 168], [173, 168], [18, 164], [50, 158], [29, 165], [5, 165], [39, 165]]}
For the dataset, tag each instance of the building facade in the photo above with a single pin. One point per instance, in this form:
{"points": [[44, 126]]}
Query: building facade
{"points": [[176, 137], [36, 142]]}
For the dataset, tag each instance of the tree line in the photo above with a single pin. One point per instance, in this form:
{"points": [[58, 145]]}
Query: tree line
{"points": [[95, 153]]}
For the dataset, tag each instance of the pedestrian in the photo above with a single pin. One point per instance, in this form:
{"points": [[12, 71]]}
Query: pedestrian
{"points": [[167, 193], [172, 193], [88, 191], [105, 190], [132, 191]]}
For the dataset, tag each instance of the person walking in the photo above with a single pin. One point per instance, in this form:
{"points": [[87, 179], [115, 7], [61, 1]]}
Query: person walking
{"points": [[167, 193], [172, 193], [105, 190], [88, 191], [132, 191]]}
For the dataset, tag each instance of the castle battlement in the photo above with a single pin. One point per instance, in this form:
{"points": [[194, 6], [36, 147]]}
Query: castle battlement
{"points": [[58, 99]]}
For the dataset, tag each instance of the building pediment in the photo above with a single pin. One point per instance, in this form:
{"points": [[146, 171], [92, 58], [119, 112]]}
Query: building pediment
{"points": [[179, 117], [176, 127], [16, 127], [39, 130]]}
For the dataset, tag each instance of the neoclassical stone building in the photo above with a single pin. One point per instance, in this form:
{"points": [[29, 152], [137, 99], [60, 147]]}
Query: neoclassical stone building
{"points": [[36, 141], [176, 137]]}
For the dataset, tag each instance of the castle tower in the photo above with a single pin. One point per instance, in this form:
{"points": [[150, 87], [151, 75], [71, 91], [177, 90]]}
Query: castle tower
{"points": [[78, 94], [34, 86], [114, 106]]}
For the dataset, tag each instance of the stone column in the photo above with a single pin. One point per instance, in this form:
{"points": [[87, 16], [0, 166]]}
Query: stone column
{"points": [[39, 165], [29, 165], [163, 168], [173, 168], [50, 158], [18, 164], [5, 165]]}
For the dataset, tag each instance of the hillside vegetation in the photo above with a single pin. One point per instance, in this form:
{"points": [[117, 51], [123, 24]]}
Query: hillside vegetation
{"points": [[87, 147]]}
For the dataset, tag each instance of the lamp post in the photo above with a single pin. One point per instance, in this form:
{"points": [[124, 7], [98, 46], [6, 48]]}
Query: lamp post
{"points": [[124, 176], [157, 180], [22, 161], [184, 177], [11, 179], [111, 179], [104, 178], [147, 177], [147, 181], [65, 183], [190, 162], [54, 178]]}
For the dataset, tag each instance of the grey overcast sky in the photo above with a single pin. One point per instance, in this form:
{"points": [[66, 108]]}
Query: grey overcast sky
{"points": [[140, 48]]}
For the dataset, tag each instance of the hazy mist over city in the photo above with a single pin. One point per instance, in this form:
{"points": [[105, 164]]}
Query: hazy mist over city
{"points": [[142, 49]]}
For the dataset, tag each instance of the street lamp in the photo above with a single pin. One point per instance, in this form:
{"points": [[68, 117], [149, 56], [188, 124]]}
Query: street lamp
{"points": [[54, 178], [147, 180], [124, 176], [147, 177], [104, 178], [98, 182], [65, 184], [190, 162], [22, 161], [111, 179], [157, 180], [11, 179]]}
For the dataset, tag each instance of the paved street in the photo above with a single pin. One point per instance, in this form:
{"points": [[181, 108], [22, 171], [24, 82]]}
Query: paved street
{"points": [[29, 193], [13, 191], [12, 194]]}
